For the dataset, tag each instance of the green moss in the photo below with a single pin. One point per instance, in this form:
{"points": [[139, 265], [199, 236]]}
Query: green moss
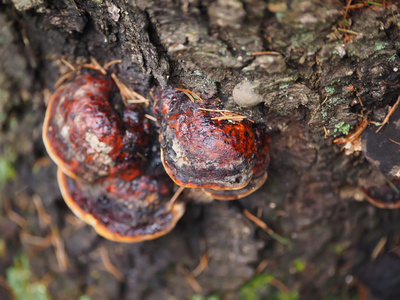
{"points": [[342, 127], [329, 105], [13, 124], [338, 248], [260, 285], [299, 265], [19, 277], [329, 89], [7, 160], [255, 286], [201, 297], [393, 57], [334, 101], [373, 3], [3, 248]]}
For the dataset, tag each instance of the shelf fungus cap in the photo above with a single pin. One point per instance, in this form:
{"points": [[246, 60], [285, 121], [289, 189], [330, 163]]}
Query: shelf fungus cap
{"points": [[251, 187], [382, 149], [89, 133], [199, 151], [260, 171], [123, 211]]}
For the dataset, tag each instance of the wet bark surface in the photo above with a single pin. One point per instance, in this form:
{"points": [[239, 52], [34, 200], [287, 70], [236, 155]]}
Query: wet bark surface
{"points": [[314, 87]]}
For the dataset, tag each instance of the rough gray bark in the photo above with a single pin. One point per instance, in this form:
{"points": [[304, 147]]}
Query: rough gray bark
{"points": [[206, 46]]}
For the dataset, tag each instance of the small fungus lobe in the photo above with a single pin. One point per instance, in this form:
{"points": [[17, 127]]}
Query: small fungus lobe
{"points": [[90, 134], [113, 171], [120, 210], [109, 168], [200, 150]]}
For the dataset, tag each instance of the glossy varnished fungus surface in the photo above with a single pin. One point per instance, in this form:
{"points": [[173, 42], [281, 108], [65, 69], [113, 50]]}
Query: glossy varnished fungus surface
{"points": [[199, 152], [260, 171], [123, 211], [382, 149], [90, 134]]}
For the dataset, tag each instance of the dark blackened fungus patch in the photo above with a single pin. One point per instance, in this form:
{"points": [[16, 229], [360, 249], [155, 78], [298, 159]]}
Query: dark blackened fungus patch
{"points": [[103, 202], [381, 276], [123, 211], [382, 149]]}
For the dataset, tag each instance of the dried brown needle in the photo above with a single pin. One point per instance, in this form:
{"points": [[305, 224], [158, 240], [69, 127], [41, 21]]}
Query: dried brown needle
{"points": [[266, 228], [202, 266], [192, 96], [227, 115], [389, 114], [105, 258], [129, 96]]}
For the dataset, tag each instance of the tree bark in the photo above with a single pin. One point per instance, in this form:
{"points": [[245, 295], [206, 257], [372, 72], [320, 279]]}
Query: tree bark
{"points": [[313, 85]]}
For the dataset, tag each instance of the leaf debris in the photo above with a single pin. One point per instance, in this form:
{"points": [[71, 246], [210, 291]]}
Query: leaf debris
{"points": [[227, 115]]}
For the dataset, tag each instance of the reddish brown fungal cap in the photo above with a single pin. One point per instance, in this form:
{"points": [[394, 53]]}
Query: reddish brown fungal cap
{"points": [[164, 100], [251, 187], [89, 133], [123, 211], [260, 173], [201, 152]]}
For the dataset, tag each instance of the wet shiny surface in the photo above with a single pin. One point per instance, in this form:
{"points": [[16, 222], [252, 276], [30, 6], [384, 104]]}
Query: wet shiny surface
{"points": [[110, 172], [121, 210], [89, 133], [260, 170], [201, 152]]}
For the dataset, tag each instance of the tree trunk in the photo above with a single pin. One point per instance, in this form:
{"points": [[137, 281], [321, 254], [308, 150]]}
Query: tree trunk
{"points": [[322, 72]]}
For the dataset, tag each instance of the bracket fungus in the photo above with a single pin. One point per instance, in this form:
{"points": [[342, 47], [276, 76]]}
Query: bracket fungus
{"points": [[108, 159], [199, 149], [123, 211], [89, 133], [260, 171]]}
